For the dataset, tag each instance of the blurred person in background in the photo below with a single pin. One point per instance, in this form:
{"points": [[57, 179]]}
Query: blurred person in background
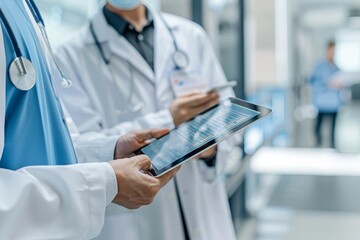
{"points": [[326, 95], [135, 67]]}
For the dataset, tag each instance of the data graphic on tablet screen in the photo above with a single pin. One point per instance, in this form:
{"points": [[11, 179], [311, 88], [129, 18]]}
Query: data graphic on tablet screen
{"points": [[197, 132]]}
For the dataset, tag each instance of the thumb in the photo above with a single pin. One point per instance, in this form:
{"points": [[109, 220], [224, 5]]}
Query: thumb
{"points": [[144, 135], [157, 133], [143, 162]]}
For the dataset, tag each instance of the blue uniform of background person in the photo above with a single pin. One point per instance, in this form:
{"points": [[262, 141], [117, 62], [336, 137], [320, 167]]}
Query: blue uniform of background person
{"points": [[326, 99]]}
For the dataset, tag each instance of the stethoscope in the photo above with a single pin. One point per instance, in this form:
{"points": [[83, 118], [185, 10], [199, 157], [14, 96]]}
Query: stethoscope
{"points": [[179, 57], [22, 72], [129, 106]]}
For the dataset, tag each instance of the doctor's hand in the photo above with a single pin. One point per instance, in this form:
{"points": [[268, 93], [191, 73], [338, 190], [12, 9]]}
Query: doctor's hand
{"points": [[135, 188], [185, 107], [132, 141]]}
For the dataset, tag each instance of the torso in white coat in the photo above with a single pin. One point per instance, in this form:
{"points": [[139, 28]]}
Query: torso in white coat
{"points": [[98, 103]]}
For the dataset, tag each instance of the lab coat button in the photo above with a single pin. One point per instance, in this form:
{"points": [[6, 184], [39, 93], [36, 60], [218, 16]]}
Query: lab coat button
{"points": [[140, 37]]}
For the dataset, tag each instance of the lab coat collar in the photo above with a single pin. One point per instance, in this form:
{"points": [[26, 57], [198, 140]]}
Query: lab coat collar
{"points": [[118, 45], [103, 30], [162, 52]]}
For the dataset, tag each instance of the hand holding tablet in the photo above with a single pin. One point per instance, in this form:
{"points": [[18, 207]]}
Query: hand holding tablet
{"points": [[196, 135]]}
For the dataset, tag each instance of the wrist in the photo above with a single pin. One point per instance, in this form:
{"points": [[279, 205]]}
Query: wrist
{"points": [[210, 161]]}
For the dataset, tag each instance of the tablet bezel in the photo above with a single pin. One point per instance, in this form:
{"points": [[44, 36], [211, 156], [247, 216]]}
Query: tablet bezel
{"points": [[263, 112]]}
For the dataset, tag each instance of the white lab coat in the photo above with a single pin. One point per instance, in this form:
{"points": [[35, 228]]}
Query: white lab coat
{"points": [[97, 103], [53, 202]]}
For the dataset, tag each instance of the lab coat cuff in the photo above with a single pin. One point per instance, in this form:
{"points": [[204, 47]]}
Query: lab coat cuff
{"points": [[111, 184], [102, 186], [102, 180], [91, 149], [166, 116], [210, 173], [107, 150]]}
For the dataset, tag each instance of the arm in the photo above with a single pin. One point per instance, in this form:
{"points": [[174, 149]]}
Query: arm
{"points": [[51, 202], [66, 202], [212, 69]]}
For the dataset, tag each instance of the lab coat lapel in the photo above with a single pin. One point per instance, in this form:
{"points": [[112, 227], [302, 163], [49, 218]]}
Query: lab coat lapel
{"points": [[2, 92], [122, 48], [163, 47], [119, 46]]}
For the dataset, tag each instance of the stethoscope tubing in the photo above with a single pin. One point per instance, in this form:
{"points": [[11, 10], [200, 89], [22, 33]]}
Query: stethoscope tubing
{"points": [[177, 52], [98, 44], [132, 108], [13, 40], [35, 12], [40, 22]]}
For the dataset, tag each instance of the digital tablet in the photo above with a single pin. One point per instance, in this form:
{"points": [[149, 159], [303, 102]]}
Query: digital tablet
{"points": [[200, 133], [222, 87]]}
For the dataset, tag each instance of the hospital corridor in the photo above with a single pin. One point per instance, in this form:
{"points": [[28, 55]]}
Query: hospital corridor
{"points": [[180, 120]]}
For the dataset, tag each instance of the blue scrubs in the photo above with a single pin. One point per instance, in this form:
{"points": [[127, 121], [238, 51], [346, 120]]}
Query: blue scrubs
{"points": [[326, 99], [35, 132]]}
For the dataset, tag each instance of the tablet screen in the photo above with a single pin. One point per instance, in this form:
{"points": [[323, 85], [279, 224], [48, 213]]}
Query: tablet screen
{"points": [[190, 136]]}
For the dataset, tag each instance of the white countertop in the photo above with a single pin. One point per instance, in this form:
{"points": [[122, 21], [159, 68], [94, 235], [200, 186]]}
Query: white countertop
{"points": [[302, 161]]}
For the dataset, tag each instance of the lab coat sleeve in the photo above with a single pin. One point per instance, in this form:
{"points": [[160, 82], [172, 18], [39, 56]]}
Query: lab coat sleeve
{"points": [[55, 202], [213, 70], [52, 202], [92, 146], [161, 118], [81, 100]]}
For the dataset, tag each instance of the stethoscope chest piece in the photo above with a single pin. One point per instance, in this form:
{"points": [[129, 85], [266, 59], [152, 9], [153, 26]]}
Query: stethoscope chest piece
{"points": [[22, 74], [181, 59]]}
